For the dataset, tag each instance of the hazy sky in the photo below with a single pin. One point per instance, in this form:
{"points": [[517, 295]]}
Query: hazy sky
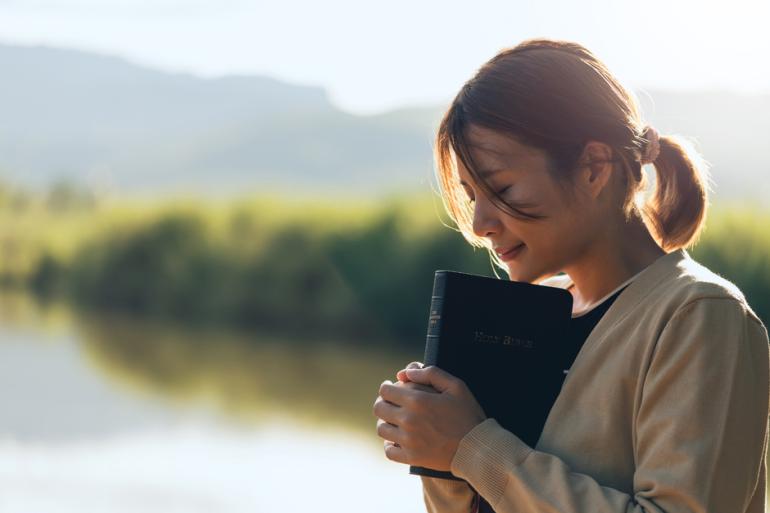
{"points": [[379, 55]]}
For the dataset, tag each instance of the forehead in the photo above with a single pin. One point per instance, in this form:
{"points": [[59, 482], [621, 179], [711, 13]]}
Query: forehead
{"points": [[491, 149], [494, 143]]}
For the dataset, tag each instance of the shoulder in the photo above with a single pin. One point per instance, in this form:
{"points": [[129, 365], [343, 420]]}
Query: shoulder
{"points": [[703, 319], [695, 283], [692, 302]]}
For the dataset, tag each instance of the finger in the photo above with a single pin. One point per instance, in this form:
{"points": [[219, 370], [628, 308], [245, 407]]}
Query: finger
{"points": [[388, 431], [401, 375], [386, 411], [438, 378], [395, 453], [418, 386], [396, 394], [388, 443]]}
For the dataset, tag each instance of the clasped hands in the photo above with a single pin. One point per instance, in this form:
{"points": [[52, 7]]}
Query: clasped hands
{"points": [[424, 415]]}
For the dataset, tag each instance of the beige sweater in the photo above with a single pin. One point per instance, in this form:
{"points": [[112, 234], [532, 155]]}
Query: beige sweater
{"points": [[665, 409]]}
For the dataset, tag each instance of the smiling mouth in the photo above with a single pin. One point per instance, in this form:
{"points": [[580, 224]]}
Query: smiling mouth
{"points": [[511, 253]]}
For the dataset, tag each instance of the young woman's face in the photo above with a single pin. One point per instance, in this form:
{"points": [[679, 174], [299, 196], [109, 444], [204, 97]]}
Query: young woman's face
{"points": [[521, 176]]}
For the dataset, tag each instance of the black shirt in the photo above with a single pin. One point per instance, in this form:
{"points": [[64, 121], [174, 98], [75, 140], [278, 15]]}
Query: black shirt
{"points": [[579, 329]]}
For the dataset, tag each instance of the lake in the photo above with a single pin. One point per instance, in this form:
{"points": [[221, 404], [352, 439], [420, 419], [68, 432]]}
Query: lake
{"points": [[104, 413]]}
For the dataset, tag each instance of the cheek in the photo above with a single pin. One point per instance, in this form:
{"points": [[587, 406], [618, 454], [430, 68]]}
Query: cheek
{"points": [[550, 240], [564, 238]]}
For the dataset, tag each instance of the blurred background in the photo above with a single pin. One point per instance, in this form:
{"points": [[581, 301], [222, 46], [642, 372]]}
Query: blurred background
{"points": [[218, 227]]}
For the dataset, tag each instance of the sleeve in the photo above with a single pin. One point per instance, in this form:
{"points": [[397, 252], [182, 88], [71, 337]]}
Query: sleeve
{"points": [[700, 430], [448, 496]]}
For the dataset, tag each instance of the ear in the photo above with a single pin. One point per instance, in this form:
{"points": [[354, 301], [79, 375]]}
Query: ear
{"points": [[596, 169]]}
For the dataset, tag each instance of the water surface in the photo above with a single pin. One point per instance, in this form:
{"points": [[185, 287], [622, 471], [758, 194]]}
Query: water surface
{"points": [[111, 414]]}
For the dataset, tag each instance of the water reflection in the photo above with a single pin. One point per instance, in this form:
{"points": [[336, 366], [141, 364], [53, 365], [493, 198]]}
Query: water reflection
{"points": [[112, 414], [247, 377]]}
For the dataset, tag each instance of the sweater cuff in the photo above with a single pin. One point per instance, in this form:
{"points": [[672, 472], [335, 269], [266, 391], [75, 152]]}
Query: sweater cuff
{"points": [[484, 456]]}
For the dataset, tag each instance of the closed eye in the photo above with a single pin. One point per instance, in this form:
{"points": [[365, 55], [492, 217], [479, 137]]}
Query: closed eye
{"points": [[501, 191]]}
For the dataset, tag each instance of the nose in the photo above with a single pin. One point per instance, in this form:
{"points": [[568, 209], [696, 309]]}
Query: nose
{"points": [[485, 220]]}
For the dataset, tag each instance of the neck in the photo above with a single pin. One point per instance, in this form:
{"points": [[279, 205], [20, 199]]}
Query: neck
{"points": [[611, 260]]}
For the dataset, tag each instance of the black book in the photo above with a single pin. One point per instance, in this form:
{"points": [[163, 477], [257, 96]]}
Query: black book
{"points": [[506, 341]]}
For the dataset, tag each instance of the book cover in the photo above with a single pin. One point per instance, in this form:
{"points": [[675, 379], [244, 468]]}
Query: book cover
{"points": [[505, 340]]}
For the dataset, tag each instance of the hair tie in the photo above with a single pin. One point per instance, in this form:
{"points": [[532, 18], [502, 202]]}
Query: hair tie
{"points": [[652, 146]]}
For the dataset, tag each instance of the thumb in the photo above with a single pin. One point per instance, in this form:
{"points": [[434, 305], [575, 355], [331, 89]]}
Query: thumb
{"points": [[439, 379], [401, 375]]}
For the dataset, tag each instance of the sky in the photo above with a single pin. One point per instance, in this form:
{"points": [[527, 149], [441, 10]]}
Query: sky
{"points": [[377, 56]]}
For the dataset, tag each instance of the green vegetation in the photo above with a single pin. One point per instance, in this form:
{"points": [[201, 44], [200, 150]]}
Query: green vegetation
{"points": [[295, 267], [736, 245]]}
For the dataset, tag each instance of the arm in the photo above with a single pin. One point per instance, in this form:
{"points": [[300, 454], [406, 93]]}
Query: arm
{"points": [[447, 496], [700, 430]]}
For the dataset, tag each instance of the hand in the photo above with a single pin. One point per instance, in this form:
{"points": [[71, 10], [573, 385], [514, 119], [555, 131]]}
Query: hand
{"points": [[404, 381], [424, 417]]}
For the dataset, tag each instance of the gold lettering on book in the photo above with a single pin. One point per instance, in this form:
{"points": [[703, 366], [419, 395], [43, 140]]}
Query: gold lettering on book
{"points": [[506, 340]]}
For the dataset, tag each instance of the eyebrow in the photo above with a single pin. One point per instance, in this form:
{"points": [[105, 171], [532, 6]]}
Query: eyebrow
{"points": [[487, 148], [486, 173]]}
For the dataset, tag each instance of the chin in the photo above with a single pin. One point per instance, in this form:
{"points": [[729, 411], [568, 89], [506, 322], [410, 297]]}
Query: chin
{"points": [[515, 273]]}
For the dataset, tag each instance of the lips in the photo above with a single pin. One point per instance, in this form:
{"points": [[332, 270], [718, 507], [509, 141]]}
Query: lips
{"points": [[503, 251], [512, 253]]}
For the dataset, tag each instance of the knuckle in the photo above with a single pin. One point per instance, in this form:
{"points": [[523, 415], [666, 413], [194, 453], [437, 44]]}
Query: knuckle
{"points": [[382, 428], [407, 420], [420, 386]]}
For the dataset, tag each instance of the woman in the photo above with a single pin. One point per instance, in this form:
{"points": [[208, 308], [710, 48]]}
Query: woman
{"points": [[665, 406]]}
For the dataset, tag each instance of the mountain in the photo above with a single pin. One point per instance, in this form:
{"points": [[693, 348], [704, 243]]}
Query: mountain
{"points": [[96, 119], [106, 122]]}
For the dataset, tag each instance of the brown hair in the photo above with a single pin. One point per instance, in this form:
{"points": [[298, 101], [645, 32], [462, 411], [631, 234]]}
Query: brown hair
{"points": [[556, 96]]}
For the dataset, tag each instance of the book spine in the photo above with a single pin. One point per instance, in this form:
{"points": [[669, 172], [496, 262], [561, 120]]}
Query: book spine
{"points": [[434, 319], [433, 337]]}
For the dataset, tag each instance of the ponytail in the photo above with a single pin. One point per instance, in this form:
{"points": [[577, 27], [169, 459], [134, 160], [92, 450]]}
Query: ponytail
{"points": [[676, 213]]}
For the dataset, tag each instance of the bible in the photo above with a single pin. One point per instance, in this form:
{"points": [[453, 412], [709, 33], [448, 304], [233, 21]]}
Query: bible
{"points": [[505, 340]]}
